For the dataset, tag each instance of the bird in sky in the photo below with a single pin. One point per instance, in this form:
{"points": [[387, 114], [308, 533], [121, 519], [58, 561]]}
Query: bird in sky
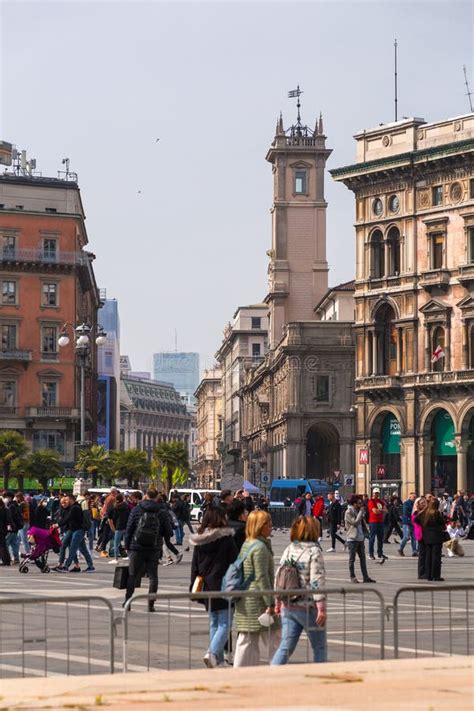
{"points": [[156, 140], [139, 192]]}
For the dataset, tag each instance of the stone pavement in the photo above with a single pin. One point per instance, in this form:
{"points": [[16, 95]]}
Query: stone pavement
{"points": [[429, 684]]}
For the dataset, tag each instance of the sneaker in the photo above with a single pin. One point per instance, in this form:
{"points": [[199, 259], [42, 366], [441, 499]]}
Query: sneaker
{"points": [[228, 659], [104, 554], [210, 660], [438, 580], [151, 607], [90, 569], [372, 557], [186, 550], [354, 580], [169, 561], [369, 580], [331, 550], [450, 554], [62, 570], [114, 561], [415, 554], [125, 558], [382, 559], [178, 558], [15, 562], [76, 569], [58, 568], [401, 553]]}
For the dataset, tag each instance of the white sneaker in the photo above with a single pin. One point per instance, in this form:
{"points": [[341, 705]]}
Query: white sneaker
{"points": [[450, 554], [210, 660], [170, 561], [114, 561], [331, 550], [178, 558]]}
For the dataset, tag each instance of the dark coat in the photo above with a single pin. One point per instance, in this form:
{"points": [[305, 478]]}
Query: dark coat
{"points": [[15, 516], [214, 551], [239, 532], [433, 531], [40, 517], [334, 513], [166, 529], [5, 521], [119, 515], [74, 518]]}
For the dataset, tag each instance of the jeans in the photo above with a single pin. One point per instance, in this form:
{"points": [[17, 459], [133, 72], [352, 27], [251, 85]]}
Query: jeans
{"points": [[65, 544], [23, 533], [376, 531], [220, 622], [118, 535], [408, 535], [357, 547], [90, 537], [179, 534], [293, 622], [78, 543], [14, 544]]}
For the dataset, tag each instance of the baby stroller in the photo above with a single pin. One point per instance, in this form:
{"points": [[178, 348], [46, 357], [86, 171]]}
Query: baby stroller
{"points": [[43, 540]]}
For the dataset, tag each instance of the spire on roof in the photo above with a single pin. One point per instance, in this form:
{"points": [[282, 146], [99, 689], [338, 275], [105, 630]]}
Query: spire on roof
{"points": [[316, 127], [280, 131], [320, 125]]}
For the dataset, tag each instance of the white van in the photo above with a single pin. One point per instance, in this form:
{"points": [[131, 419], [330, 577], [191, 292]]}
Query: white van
{"points": [[196, 497]]}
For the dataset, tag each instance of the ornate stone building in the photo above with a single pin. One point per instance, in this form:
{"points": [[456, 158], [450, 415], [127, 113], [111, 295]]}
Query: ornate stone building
{"points": [[209, 430], [296, 418], [414, 190]]}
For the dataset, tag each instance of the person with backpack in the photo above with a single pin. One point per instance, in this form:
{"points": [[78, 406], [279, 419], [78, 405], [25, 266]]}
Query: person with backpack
{"points": [[302, 567], [258, 572], [214, 551], [147, 525]]}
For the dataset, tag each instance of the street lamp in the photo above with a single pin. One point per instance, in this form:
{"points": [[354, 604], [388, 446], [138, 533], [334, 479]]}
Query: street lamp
{"points": [[82, 346]]}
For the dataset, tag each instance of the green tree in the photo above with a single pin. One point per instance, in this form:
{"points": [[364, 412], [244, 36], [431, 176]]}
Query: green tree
{"points": [[132, 465], [42, 465], [172, 458], [95, 461], [12, 446]]}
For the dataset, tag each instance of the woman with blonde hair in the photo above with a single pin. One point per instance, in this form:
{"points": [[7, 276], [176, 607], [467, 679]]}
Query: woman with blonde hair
{"points": [[308, 611], [257, 556]]}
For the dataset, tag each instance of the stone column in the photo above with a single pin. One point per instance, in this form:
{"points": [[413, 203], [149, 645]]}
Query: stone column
{"points": [[465, 345], [427, 347], [294, 374], [399, 350], [387, 255], [424, 465], [461, 450], [447, 345], [374, 352]]}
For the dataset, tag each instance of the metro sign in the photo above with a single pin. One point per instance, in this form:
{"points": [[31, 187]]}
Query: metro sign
{"points": [[381, 470], [363, 456]]}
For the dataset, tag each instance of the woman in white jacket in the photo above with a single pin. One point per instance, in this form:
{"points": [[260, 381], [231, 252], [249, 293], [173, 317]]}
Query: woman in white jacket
{"points": [[308, 611]]}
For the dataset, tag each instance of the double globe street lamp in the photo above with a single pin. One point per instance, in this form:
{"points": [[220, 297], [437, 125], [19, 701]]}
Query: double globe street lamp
{"points": [[82, 346]]}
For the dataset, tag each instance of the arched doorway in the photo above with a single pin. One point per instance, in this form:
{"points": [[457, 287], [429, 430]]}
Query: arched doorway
{"points": [[322, 451], [386, 449], [443, 454]]}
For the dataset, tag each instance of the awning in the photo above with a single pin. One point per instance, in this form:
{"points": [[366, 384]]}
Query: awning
{"points": [[251, 488]]}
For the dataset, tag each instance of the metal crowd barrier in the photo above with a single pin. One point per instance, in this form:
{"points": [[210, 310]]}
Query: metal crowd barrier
{"points": [[433, 620], [176, 634], [41, 636], [283, 516]]}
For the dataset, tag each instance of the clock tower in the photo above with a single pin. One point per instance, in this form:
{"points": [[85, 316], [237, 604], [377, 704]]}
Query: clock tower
{"points": [[298, 269]]}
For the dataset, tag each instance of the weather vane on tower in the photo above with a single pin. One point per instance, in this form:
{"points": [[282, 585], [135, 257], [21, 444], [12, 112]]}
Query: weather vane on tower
{"points": [[296, 93]]}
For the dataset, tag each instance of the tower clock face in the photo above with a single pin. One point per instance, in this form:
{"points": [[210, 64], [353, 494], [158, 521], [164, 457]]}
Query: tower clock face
{"points": [[394, 203], [377, 206]]}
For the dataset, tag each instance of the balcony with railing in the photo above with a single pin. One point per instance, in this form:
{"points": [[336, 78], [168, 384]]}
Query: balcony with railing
{"points": [[42, 256], [466, 274], [15, 354], [6, 410], [54, 412], [435, 278], [371, 382]]}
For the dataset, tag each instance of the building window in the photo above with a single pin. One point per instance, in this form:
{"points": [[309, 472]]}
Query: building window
{"points": [[393, 244], [9, 292], [7, 393], [49, 250], [377, 207], [437, 251], [49, 342], [108, 359], [49, 394], [321, 386], [8, 332], [438, 342], [256, 322], [300, 182], [8, 246], [471, 245], [437, 195], [377, 255], [256, 351], [471, 189], [49, 439], [50, 295]]}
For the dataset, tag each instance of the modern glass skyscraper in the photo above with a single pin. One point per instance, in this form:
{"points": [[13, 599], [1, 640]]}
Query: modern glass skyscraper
{"points": [[180, 369]]}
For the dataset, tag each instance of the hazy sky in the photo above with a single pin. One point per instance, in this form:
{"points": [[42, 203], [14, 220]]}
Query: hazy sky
{"points": [[98, 82]]}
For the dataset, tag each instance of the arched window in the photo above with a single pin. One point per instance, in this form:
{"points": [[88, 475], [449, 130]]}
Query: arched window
{"points": [[386, 334], [377, 255], [438, 349], [393, 246]]}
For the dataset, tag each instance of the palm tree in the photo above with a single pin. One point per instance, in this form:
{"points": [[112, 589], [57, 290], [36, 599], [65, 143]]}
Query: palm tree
{"points": [[172, 457], [131, 465], [42, 465], [95, 461], [12, 446]]}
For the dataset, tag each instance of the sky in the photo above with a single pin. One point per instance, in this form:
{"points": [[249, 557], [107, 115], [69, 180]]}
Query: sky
{"points": [[180, 226]]}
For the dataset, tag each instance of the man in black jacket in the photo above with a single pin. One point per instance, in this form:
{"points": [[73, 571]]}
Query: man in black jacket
{"points": [[75, 524], [334, 516], [146, 556]]}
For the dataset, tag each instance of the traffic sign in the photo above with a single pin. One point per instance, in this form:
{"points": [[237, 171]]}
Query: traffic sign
{"points": [[349, 480], [265, 478], [363, 456]]}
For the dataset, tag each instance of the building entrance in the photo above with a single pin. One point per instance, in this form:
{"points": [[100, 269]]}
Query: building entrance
{"points": [[444, 455]]}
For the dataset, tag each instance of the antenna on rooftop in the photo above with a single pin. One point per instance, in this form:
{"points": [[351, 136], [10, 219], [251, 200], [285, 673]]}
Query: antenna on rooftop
{"points": [[395, 47], [296, 93], [175, 341], [468, 92]]}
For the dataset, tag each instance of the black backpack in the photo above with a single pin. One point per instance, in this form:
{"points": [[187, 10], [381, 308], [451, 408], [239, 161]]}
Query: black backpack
{"points": [[147, 532]]}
